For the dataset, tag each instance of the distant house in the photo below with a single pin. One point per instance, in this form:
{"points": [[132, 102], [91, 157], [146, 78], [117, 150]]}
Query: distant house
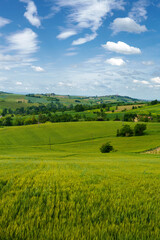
{"points": [[142, 118], [136, 119]]}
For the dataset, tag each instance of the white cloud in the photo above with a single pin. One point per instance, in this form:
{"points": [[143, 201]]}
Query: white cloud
{"points": [[25, 42], [87, 38], [136, 81], [66, 34], [141, 82], [4, 21], [88, 14], [116, 61], [19, 83], [138, 11], [8, 58], [31, 13], [37, 69], [156, 80], [71, 54], [144, 82], [71, 49], [127, 25], [8, 62], [148, 63], [66, 84], [121, 47]]}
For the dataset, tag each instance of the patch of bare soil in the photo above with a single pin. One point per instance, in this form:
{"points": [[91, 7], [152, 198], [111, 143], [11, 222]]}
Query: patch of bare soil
{"points": [[154, 151]]}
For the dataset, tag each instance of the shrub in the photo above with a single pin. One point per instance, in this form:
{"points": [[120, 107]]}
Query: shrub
{"points": [[106, 148], [125, 131], [139, 129]]}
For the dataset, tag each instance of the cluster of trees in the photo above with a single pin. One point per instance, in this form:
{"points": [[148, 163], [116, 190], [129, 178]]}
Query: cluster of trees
{"points": [[127, 131], [129, 117], [35, 110], [154, 102]]}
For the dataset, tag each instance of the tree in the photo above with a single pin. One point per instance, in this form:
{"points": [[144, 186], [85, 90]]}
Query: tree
{"points": [[139, 129], [79, 108], [106, 148], [7, 121], [125, 131], [4, 112], [154, 102]]}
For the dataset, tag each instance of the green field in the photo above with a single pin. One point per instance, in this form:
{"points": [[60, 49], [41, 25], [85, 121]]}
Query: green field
{"points": [[55, 183]]}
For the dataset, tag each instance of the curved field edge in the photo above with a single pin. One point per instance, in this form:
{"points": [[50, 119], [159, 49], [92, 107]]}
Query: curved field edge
{"points": [[80, 137]]}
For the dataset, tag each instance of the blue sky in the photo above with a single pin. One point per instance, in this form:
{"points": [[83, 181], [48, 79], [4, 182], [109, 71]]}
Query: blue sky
{"points": [[80, 47]]}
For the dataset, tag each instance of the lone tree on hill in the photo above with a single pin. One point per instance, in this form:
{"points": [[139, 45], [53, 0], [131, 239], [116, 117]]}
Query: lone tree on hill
{"points": [[106, 148]]}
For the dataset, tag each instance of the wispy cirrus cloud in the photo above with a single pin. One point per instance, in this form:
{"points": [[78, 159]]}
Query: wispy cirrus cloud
{"points": [[70, 54], [18, 49], [23, 42], [88, 14], [4, 21], [87, 38], [66, 34], [141, 82], [31, 13], [138, 11], [148, 63]]}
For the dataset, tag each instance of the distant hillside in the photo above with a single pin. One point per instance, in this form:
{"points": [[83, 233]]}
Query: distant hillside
{"points": [[118, 98], [10, 100]]}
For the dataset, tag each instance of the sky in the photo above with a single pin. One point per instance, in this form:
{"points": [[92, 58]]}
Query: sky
{"points": [[80, 47]]}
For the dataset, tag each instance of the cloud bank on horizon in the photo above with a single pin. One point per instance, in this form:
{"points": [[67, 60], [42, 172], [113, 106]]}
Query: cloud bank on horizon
{"points": [[83, 47]]}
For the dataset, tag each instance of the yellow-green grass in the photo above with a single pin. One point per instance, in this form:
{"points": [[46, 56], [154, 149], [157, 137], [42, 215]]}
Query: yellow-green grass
{"points": [[148, 109], [13, 101], [55, 183]]}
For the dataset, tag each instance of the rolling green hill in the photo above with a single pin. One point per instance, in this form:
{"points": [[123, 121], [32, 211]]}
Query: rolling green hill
{"points": [[55, 183]]}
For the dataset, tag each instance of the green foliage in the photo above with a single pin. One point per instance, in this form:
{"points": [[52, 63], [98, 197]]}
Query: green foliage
{"points": [[154, 102], [129, 117], [4, 112], [79, 108], [106, 148], [125, 131], [139, 129]]}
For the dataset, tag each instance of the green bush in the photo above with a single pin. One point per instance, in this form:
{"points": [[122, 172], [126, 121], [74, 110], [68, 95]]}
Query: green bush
{"points": [[139, 129], [106, 148], [125, 131]]}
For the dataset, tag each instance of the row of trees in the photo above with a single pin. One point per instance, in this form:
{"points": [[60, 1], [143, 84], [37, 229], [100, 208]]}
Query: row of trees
{"points": [[43, 118]]}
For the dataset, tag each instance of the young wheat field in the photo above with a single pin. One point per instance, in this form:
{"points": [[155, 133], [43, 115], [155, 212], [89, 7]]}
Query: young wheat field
{"points": [[56, 184]]}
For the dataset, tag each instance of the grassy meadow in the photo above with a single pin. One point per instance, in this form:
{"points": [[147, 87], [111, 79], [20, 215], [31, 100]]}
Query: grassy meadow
{"points": [[56, 184]]}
